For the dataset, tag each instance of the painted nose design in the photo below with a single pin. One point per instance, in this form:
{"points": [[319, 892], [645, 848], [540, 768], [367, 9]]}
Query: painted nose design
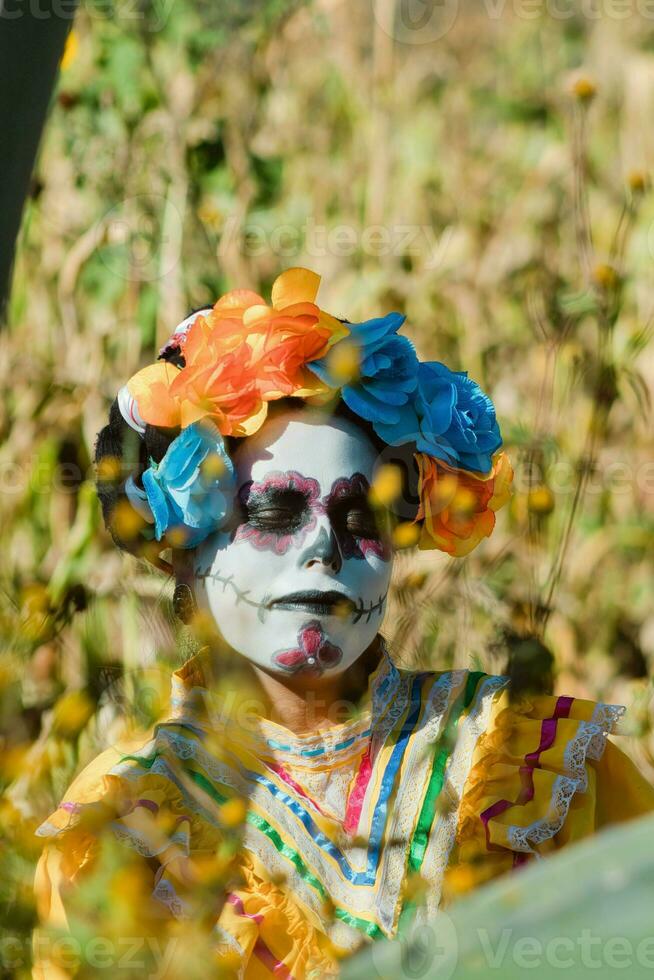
{"points": [[324, 550]]}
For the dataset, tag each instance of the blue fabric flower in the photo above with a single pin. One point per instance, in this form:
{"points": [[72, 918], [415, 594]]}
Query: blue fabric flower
{"points": [[449, 417], [192, 488], [388, 370]]}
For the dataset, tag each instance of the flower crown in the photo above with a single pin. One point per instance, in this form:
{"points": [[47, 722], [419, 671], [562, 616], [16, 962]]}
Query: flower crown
{"points": [[218, 373]]}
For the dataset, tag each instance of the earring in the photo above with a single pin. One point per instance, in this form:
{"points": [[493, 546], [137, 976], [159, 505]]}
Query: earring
{"points": [[184, 604]]}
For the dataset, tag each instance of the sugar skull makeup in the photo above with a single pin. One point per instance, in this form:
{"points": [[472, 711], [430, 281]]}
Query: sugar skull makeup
{"points": [[298, 582]]}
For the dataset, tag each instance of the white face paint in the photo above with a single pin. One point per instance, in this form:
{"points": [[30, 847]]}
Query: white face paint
{"points": [[298, 583]]}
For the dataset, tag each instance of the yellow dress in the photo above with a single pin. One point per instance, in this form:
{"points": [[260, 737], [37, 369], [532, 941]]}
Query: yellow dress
{"points": [[441, 782]]}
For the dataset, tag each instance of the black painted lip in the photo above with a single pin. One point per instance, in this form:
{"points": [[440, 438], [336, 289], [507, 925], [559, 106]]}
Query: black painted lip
{"points": [[315, 601]]}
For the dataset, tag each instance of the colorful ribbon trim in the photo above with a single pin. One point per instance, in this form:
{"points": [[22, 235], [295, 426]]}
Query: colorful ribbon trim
{"points": [[532, 761]]}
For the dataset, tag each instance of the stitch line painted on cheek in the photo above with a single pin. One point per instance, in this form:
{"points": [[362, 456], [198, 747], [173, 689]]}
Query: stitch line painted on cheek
{"points": [[241, 594], [360, 609]]}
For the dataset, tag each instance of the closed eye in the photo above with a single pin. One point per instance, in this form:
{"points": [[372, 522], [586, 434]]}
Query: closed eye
{"points": [[276, 510], [274, 518], [355, 517]]}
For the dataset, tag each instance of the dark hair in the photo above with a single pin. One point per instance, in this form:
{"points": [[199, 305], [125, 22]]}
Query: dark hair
{"points": [[120, 452]]}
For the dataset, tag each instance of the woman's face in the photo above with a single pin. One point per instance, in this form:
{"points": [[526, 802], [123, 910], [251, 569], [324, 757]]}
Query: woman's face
{"points": [[298, 582]]}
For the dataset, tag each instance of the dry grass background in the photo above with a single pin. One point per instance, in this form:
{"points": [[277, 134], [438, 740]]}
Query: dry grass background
{"points": [[492, 183]]}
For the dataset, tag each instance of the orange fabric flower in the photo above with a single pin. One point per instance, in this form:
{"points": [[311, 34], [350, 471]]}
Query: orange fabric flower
{"points": [[458, 507], [240, 356]]}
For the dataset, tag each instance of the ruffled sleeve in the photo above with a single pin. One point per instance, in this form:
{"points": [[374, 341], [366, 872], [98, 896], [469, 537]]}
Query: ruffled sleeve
{"points": [[124, 797], [543, 775]]}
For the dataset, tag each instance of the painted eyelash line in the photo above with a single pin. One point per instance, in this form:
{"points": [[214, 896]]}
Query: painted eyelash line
{"points": [[360, 610], [287, 480]]}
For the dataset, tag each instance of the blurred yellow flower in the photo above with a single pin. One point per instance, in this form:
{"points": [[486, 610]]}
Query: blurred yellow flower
{"points": [[344, 362], [233, 812], [109, 469], [386, 486], [127, 521], [70, 51], [406, 535], [584, 89], [606, 276], [540, 500], [638, 181], [71, 713]]}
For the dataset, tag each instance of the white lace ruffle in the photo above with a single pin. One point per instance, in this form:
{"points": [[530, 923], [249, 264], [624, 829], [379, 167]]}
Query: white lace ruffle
{"points": [[588, 744], [443, 834], [526, 838], [165, 893], [606, 717]]}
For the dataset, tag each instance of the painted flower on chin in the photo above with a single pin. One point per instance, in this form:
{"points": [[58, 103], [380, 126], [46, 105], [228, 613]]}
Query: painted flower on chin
{"points": [[190, 491], [458, 508], [384, 371], [314, 652], [239, 356]]}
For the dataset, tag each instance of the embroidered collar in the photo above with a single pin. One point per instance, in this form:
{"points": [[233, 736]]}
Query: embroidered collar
{"points": [[199, 703]]}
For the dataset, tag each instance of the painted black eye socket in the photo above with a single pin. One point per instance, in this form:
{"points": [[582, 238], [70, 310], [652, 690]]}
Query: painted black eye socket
{"points": [[355, 516], [276, 510]]}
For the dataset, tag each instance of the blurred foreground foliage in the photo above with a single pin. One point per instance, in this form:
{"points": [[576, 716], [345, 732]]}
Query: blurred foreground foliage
{"points": [[585, 911], [492, 183]]}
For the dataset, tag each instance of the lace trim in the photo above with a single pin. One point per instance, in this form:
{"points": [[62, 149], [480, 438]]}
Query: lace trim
{"points": [[576, 752], [606, 716], [589, 743], [525, 838], [416, 766], [226, 943], [139, 843], [443, 835], [135, 841], [164, 892]]}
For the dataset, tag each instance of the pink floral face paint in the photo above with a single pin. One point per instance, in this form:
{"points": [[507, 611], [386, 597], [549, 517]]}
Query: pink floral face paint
{"points": [[279, 511], [304, 570], [355, 522], [313, 651]]}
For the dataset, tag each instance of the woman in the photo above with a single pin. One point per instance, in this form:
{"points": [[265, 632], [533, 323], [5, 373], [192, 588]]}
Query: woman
{"points": [[283, 455]]}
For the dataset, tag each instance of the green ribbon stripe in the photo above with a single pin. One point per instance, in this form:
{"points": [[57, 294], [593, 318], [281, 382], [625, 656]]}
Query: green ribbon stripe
{"points": [[369, 928], [363, 925], [435, 785]]}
